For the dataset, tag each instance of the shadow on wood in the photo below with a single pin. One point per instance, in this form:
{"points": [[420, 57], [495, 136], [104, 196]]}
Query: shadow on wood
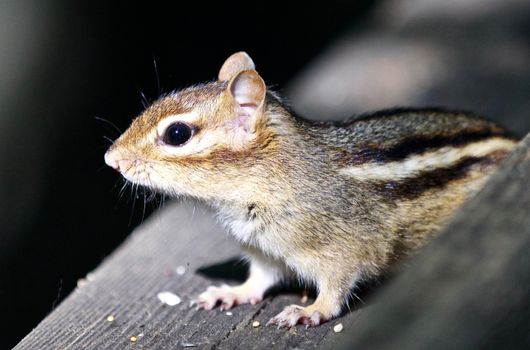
{"points": [[233, 269]]}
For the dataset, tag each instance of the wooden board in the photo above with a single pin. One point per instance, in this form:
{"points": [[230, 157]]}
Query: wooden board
{"points": [[127, 283]]}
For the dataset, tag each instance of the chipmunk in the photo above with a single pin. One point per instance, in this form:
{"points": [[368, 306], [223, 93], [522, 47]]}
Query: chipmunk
{"points": [[329, 203]]}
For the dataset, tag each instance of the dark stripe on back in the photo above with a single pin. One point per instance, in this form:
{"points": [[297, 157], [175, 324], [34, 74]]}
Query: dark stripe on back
{"points": [[418, 145], [413, 187]]}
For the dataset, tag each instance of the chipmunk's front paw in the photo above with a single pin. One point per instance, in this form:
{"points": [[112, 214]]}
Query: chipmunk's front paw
{"points": [[294, 314], [227, 296]]}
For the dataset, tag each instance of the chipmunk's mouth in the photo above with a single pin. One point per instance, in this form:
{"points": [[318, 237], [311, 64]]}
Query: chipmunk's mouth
{"points": [[138, 172], [134, 170]]}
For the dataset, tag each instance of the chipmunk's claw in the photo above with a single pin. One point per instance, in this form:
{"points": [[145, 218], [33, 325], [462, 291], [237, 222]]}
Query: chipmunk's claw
{"points": [[294, 314]]}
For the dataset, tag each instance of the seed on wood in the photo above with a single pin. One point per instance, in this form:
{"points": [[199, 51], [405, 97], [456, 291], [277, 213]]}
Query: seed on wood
{"points": [[338, 328]]}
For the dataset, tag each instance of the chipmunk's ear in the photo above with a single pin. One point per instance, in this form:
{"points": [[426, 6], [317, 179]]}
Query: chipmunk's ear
{"points": [[248, 91], [234, 64]]}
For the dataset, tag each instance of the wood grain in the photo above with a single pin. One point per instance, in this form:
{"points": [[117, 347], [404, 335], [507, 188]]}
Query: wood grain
{"points": [[126, 285]]}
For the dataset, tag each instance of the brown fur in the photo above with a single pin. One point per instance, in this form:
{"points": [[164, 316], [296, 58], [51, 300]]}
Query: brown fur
{"points": [[277, 185]]}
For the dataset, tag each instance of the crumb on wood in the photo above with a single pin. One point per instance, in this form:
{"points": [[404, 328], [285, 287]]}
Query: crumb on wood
{"points": [[188, 345], [169, 298], [81, 282], [90, 277], [111, 318], [338, 328], [304, 297], [180, 270], [255, 324]]}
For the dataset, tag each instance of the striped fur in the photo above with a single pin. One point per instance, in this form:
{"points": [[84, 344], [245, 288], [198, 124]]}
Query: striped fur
{"points": [[435, 179], [421, 144], [415, 161]]}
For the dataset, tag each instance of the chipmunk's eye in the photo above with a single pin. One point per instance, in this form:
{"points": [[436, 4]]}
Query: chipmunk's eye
{"points": [[177, 134]]}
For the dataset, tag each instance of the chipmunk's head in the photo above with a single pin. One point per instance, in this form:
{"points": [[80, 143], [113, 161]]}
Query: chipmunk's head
{"points": [[201, 141]]}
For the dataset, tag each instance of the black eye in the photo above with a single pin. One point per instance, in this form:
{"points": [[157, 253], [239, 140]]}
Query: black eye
{"points": [[177, 134]]}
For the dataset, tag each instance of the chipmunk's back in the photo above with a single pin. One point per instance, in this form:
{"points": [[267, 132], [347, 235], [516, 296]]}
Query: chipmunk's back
{"points": [[393, 135], [417, 165]]}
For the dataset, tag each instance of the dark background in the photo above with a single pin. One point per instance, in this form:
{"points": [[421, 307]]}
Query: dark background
{"points": [[64, 63]]}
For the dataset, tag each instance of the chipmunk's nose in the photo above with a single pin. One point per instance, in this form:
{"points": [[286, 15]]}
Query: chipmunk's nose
{"points": [[110, 159]]}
